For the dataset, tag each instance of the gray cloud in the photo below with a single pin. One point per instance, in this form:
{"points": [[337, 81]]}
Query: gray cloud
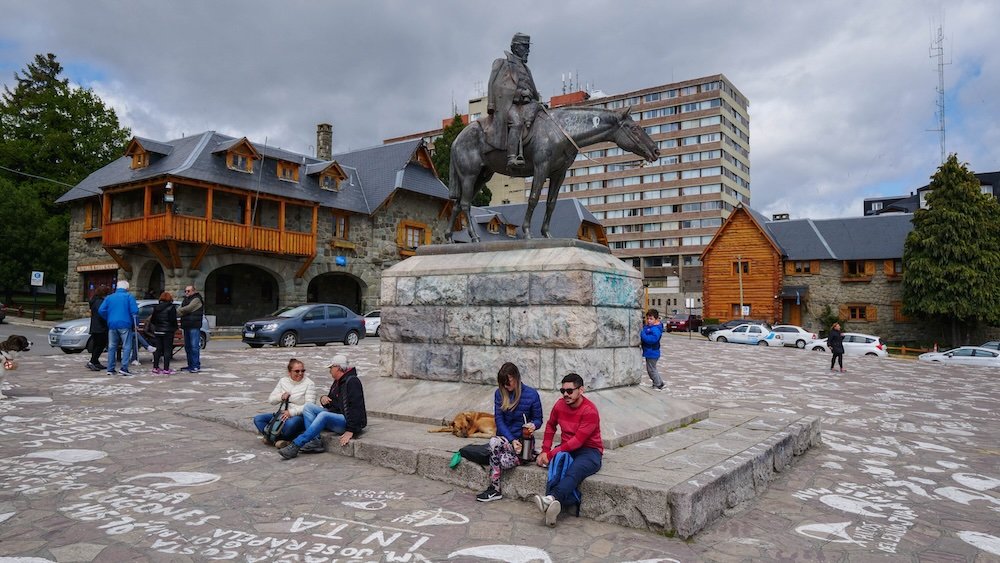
{"points": [[842, 93]]}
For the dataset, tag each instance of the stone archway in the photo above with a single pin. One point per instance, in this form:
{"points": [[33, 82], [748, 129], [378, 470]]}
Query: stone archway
{"points": [[239, 292], [150, 281], [337, 287]]}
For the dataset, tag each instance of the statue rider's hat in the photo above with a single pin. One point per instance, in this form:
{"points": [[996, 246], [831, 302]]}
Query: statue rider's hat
{"points": [[520, 38]]}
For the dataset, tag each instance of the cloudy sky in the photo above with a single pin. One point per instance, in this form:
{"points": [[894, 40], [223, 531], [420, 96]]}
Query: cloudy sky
{"points": [[842, 93]]}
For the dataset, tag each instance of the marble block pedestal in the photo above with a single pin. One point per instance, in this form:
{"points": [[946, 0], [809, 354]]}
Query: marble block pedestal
{"points": [[457, 312]]}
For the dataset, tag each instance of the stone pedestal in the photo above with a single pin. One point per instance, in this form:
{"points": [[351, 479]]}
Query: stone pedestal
{"points": [[553, 306]]}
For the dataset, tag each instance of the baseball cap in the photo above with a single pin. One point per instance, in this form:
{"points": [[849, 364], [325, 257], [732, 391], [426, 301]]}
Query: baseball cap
{"points": [[338, 360]]}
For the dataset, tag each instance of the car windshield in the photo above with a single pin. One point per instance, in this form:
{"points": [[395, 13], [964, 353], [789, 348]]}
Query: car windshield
{"points": [[289, 312]]}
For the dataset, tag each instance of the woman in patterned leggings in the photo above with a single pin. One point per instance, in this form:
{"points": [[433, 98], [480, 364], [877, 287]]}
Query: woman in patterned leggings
{"points": [[515, 406]]}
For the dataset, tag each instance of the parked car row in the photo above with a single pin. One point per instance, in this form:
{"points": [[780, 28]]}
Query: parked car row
{"points": [[760, 334], [987, 354]]}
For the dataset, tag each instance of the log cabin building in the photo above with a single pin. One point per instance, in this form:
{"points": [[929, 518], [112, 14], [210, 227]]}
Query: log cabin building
{"points": [[252, 227], [787, 271]]}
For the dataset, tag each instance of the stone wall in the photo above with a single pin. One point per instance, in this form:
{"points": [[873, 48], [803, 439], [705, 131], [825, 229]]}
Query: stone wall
{"points": [[551, 306], [828, 288]]}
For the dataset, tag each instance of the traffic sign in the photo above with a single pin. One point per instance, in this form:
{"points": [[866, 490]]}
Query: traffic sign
{"points": [[36, 278]]}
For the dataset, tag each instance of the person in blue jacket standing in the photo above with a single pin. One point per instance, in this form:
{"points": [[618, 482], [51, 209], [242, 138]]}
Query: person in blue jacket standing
{"points": [[119, 309], [650, 336], [517, 410]]}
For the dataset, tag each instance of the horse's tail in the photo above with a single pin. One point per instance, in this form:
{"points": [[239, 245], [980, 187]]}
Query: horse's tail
{"points": [[454, 187]]}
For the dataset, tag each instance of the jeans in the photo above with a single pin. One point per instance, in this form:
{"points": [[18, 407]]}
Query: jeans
{"points": [[586, 462], [119, 338], [292, 428], [192, 347], [318, 419]]}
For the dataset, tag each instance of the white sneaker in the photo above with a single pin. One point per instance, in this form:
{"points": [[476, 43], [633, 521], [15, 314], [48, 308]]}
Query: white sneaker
{"points": [[135, 363], [552, 512], [151, 349], [543, 502]]}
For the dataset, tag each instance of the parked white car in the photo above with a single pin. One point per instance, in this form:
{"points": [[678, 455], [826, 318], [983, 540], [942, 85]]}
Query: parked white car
{"points": [[373, 321], [743, 334], [855, 345], [790, 335], [964, 355]]}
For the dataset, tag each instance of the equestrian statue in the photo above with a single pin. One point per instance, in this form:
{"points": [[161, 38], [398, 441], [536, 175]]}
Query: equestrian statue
{"points": [[522, 138]]}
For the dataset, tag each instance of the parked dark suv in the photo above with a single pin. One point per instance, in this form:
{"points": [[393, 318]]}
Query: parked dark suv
{"points": [[705, 330], [682, 323]]}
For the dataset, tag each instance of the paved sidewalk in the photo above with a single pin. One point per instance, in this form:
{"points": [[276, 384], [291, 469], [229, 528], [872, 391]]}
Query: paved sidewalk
{"points": [[676, 482]]}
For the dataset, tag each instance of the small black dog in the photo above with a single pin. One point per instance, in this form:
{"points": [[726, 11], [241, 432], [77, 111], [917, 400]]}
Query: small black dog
{"points": [[9, 350]]}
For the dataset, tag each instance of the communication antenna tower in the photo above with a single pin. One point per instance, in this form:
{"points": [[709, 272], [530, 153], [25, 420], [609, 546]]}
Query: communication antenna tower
{"points": [[937, 50]]}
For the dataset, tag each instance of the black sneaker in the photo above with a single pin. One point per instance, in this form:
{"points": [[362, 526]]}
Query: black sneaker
{"points": [[289, 451], [125, 373], [659, 387], [314, 446], [489, 495], [112, 372], [93, 367]]}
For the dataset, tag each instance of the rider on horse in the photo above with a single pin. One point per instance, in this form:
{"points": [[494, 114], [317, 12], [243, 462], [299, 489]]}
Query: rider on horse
{"points": [[513, 100]]}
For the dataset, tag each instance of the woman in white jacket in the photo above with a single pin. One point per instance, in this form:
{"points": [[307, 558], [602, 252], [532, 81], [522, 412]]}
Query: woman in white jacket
{"points": [[299, 390]]}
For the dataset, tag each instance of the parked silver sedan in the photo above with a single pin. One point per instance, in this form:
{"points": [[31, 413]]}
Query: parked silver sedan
{"points": [[855, 345], [964, 355]]}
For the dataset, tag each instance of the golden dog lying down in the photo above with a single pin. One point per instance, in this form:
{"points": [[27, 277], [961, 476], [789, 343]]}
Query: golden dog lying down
{"points": [[470, 424]]}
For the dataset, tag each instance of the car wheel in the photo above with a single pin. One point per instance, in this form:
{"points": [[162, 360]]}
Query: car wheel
{"points": [[202, 340], [255, 345], [378, 330], [800, 344], [872, 354], [762, 343], [352, 338], [288, 340], [819, 349], [721, 339], [71, 350]]}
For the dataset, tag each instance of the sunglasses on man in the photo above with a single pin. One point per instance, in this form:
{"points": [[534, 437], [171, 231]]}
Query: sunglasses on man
{"points": [[567, 390]]}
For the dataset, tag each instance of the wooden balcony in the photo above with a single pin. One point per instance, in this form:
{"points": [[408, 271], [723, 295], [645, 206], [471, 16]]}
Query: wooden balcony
{"points": [[167, 227]]}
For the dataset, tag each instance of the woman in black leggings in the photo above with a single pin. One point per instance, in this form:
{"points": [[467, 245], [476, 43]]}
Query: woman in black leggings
{"points": [[836, 342], [164, 323]]}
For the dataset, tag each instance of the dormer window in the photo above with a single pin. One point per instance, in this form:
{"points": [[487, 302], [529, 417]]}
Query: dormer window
{"points": [[288, 171], [140, 159], [329, 182], [239, 161], [493, 226]]}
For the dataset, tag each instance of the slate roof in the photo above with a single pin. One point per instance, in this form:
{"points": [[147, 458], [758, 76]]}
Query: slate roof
{"points": [[373, 173], [850, 238], [566, 219]]}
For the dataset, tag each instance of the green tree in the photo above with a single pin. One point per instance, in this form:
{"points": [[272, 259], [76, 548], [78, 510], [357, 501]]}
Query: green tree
{"points": [[442, 158], [952, 256], [52, 135]]}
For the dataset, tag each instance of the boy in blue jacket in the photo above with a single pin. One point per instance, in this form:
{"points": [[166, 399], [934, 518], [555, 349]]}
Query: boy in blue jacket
{"points": [[650, 336]]}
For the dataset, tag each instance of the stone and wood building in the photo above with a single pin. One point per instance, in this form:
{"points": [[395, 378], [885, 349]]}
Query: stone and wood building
{"points": [[789, 271], [252, 227]]}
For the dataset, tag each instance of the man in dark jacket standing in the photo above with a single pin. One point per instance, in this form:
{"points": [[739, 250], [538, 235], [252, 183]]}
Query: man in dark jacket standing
{"points": [[192, 310], [98, 329], [344, 411]]}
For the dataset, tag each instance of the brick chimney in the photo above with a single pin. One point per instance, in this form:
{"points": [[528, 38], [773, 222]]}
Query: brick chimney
{"points": [[324, 141]]}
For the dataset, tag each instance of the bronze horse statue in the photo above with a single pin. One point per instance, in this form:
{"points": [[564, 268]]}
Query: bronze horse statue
{"points": [[549, 150]]}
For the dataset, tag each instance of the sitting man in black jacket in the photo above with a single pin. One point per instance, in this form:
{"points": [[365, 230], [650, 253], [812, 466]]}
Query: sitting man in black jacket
{"points": [[344, 411]]}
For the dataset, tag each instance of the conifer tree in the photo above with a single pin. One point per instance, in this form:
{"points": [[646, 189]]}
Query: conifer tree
{"points": [[952, 256]]}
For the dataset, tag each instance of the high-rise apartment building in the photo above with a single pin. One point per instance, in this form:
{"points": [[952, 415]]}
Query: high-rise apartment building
{"points": [[659, 217]]}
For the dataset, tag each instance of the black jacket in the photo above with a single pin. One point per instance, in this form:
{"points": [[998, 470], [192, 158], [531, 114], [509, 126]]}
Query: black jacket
{"points": [[836, 341], [192, 318], [98, 324], [347, 397], [164, 318]]}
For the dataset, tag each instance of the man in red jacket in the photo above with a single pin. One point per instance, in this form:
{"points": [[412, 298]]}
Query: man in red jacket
{"points": [[580, 425]]}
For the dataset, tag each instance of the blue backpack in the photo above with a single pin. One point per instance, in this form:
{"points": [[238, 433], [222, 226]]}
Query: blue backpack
{"points": [[558, 467]]}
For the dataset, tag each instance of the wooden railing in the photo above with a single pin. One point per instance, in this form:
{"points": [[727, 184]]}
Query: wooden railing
{"points": [[198, 230]]}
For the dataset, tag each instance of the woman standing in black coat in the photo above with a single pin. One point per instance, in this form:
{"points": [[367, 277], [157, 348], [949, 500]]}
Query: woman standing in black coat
{"points": [[836, 342], [164, 324], [98, 329]]}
